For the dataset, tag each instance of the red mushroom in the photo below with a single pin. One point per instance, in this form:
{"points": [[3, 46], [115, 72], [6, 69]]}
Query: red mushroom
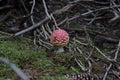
{"points": [[60, 38]]}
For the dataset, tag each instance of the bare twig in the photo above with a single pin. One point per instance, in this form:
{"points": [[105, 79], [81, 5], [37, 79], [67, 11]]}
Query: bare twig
{"points": [[6, 7], [16, 69], [56, 25], [116, 74], [115, 57], [90, 54], [44, 20], [108, 69], [31, 28], [32, 12], [105, 8], [57, 12], [46, 10], [81, 65], [106, 57]]}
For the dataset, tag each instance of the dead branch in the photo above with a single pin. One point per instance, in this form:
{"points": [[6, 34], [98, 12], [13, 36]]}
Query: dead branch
{"points": [[14, 68]]}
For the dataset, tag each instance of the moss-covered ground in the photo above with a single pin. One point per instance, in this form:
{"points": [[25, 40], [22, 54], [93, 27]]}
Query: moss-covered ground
{"points": [[42, 64], [21, 52]]}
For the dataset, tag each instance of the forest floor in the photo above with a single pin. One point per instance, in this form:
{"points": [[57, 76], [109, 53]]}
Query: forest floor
{"points": [[93, 49], [34, 63]]}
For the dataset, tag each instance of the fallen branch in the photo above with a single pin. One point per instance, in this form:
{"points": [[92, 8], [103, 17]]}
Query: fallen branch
{"points": [[95, 33], [44, 20], [111, 64], [14, 68]]}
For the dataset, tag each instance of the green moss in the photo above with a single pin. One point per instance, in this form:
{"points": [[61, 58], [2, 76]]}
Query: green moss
{"points": [[4, 79], [21, 52]]}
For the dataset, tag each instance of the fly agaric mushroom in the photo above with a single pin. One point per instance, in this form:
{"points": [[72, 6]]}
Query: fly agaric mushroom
{"points": [[60, 38]]}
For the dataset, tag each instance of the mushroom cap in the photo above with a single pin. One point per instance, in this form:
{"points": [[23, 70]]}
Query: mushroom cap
{"points": [[59, 38]]}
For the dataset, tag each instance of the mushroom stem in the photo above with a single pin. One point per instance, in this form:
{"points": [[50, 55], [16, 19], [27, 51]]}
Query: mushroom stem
{"points": [[60, 50]]}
